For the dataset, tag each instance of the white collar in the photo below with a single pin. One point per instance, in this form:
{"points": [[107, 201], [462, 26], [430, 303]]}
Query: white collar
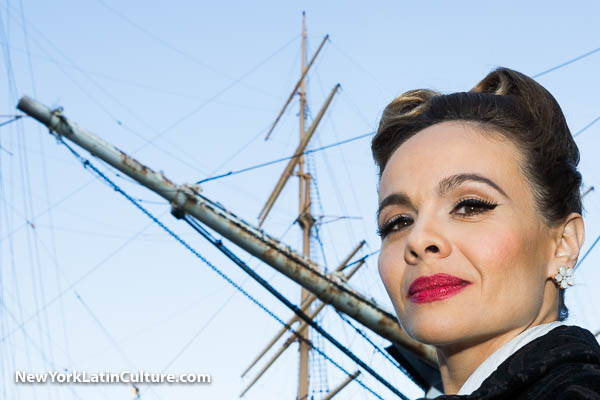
{"points": [[499, 356]]}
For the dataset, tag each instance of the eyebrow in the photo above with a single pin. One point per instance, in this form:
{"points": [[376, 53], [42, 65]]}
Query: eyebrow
{"points": [[397, 199], [444, 186], [452, 182]]}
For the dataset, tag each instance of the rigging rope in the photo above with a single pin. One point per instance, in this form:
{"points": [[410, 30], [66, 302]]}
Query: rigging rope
{"points": [[588, 251], [32, 247], [219, 244], [265, 164], [88, 165], [579, 132], [177, 49], [16, 118], [564, 64], [375, 346]]}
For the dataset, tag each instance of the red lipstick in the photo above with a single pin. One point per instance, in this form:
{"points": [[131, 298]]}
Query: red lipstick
{"points": [[435, 287]]}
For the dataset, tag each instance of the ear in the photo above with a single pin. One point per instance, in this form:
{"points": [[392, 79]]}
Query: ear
{"points": [[569, 240]]}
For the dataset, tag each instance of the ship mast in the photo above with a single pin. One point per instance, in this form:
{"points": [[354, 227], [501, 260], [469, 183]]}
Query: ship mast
{"points": [[305, 220]]}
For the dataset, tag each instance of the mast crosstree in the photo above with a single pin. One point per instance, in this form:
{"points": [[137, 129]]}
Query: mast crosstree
{"points": [[305, 218]]}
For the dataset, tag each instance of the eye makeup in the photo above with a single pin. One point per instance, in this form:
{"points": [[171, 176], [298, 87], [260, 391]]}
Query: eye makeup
{"points": [[473, 206], [396, 223], [470, 206]]}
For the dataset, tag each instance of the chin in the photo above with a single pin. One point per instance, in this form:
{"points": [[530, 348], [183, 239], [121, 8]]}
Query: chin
{"points": [[434, 326]]}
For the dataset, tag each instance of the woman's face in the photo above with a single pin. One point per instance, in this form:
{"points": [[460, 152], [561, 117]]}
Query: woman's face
{"points": [[465, 255]]}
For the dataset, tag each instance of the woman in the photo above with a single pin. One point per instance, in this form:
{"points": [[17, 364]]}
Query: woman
{"points": [[480, 220]]}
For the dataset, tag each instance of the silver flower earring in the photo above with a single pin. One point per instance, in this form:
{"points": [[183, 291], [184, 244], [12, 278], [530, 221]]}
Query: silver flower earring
{"points": [[564, 277]]}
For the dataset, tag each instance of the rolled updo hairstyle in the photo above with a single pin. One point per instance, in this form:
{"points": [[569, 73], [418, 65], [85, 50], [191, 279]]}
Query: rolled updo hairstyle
{"points": [[518, 108]]}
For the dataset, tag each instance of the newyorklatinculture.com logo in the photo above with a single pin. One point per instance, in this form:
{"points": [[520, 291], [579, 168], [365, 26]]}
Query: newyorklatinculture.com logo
{"points": [[108, 377]]}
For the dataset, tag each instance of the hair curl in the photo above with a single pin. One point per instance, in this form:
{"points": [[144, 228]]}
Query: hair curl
{"points": [[518, 108]]}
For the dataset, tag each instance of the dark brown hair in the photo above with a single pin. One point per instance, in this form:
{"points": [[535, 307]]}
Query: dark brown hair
{"points": [[513, 105]]}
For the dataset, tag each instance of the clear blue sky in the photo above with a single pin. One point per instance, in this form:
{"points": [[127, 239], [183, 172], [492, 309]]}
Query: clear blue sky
{"points": [[207, 79]]}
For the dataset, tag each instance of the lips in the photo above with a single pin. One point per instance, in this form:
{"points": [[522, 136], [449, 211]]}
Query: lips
{"points": [[435, 288]]}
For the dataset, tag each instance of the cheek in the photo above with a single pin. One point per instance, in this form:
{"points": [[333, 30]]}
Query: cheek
{"points": [[385, 265], [505, 259], [391, 270], [495, 249]]}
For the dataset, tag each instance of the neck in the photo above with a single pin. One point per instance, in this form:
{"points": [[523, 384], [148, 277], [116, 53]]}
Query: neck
{"points": [[459, 361]]}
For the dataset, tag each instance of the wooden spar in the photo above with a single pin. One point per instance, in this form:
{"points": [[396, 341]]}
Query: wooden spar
{"points": [[301, 329], [349, 256], [279, 334], [304, 306], [356, 267], [295, 90], [341, 386], [249, 238], [287, 172], [306, 222]]}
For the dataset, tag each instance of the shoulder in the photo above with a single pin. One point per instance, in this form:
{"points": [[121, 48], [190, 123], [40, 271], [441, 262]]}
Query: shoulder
{"points": [[577, 382], [563, 364], [562, 345]]}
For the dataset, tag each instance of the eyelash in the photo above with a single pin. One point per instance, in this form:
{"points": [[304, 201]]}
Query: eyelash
{"points": [[482, 205], [389, 225]]}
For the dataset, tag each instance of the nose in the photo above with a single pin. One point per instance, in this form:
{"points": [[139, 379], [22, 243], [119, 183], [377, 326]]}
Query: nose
{"points": [[426, 240]]}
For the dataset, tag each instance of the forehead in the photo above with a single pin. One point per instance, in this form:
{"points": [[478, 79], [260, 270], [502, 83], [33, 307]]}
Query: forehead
{"points": [[449, 148]]}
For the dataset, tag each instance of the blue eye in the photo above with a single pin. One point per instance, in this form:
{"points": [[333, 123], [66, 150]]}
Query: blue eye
{"points": [[473, 207], [397, 223]]}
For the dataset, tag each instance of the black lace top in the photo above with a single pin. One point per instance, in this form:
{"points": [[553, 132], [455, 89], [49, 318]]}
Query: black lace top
{"points": [[563, 364]]}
